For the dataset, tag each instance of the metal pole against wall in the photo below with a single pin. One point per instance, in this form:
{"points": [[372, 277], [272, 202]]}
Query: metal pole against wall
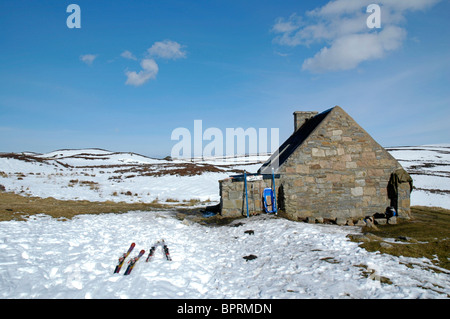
{"points": [[274, 193], [246, 195]]}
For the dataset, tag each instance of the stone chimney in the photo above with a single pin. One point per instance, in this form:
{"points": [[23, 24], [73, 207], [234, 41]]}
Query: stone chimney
{"points": [[301, 118]]}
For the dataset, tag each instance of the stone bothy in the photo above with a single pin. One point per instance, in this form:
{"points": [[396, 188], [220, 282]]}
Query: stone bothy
{"points": [[328, 169]]}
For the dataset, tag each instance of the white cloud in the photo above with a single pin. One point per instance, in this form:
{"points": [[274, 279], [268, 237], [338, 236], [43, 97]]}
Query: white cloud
{"points": [[149, 71], [285, 26], [128, 55], [348, 51], [404, 5], [167, 49], [88, 58], [341, 26]]}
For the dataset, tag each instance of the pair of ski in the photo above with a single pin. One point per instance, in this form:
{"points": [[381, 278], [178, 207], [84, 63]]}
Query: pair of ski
{"points": [[131, 263], [165, 250], [134, 260]]}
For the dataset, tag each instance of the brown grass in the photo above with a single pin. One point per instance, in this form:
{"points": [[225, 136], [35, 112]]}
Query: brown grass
{"points": [[16, 207], [156, 170], [427, 234]]}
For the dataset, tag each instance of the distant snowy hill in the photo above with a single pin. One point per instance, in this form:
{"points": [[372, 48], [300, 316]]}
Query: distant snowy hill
{"points": [[429, 166], [100, 175]]}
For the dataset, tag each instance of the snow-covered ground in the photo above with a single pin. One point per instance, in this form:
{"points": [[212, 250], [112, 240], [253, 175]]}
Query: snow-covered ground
{"points": [[49, 258], [46, 258]]}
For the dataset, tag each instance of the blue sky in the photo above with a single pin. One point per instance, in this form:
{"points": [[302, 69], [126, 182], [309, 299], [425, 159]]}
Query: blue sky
{"points": [[137, 70]]}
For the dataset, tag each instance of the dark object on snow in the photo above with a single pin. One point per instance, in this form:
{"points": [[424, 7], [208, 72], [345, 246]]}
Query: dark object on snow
{"points": [[250, 257], [237, 224], [405, 238], [2, 188], [250, 232]]}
